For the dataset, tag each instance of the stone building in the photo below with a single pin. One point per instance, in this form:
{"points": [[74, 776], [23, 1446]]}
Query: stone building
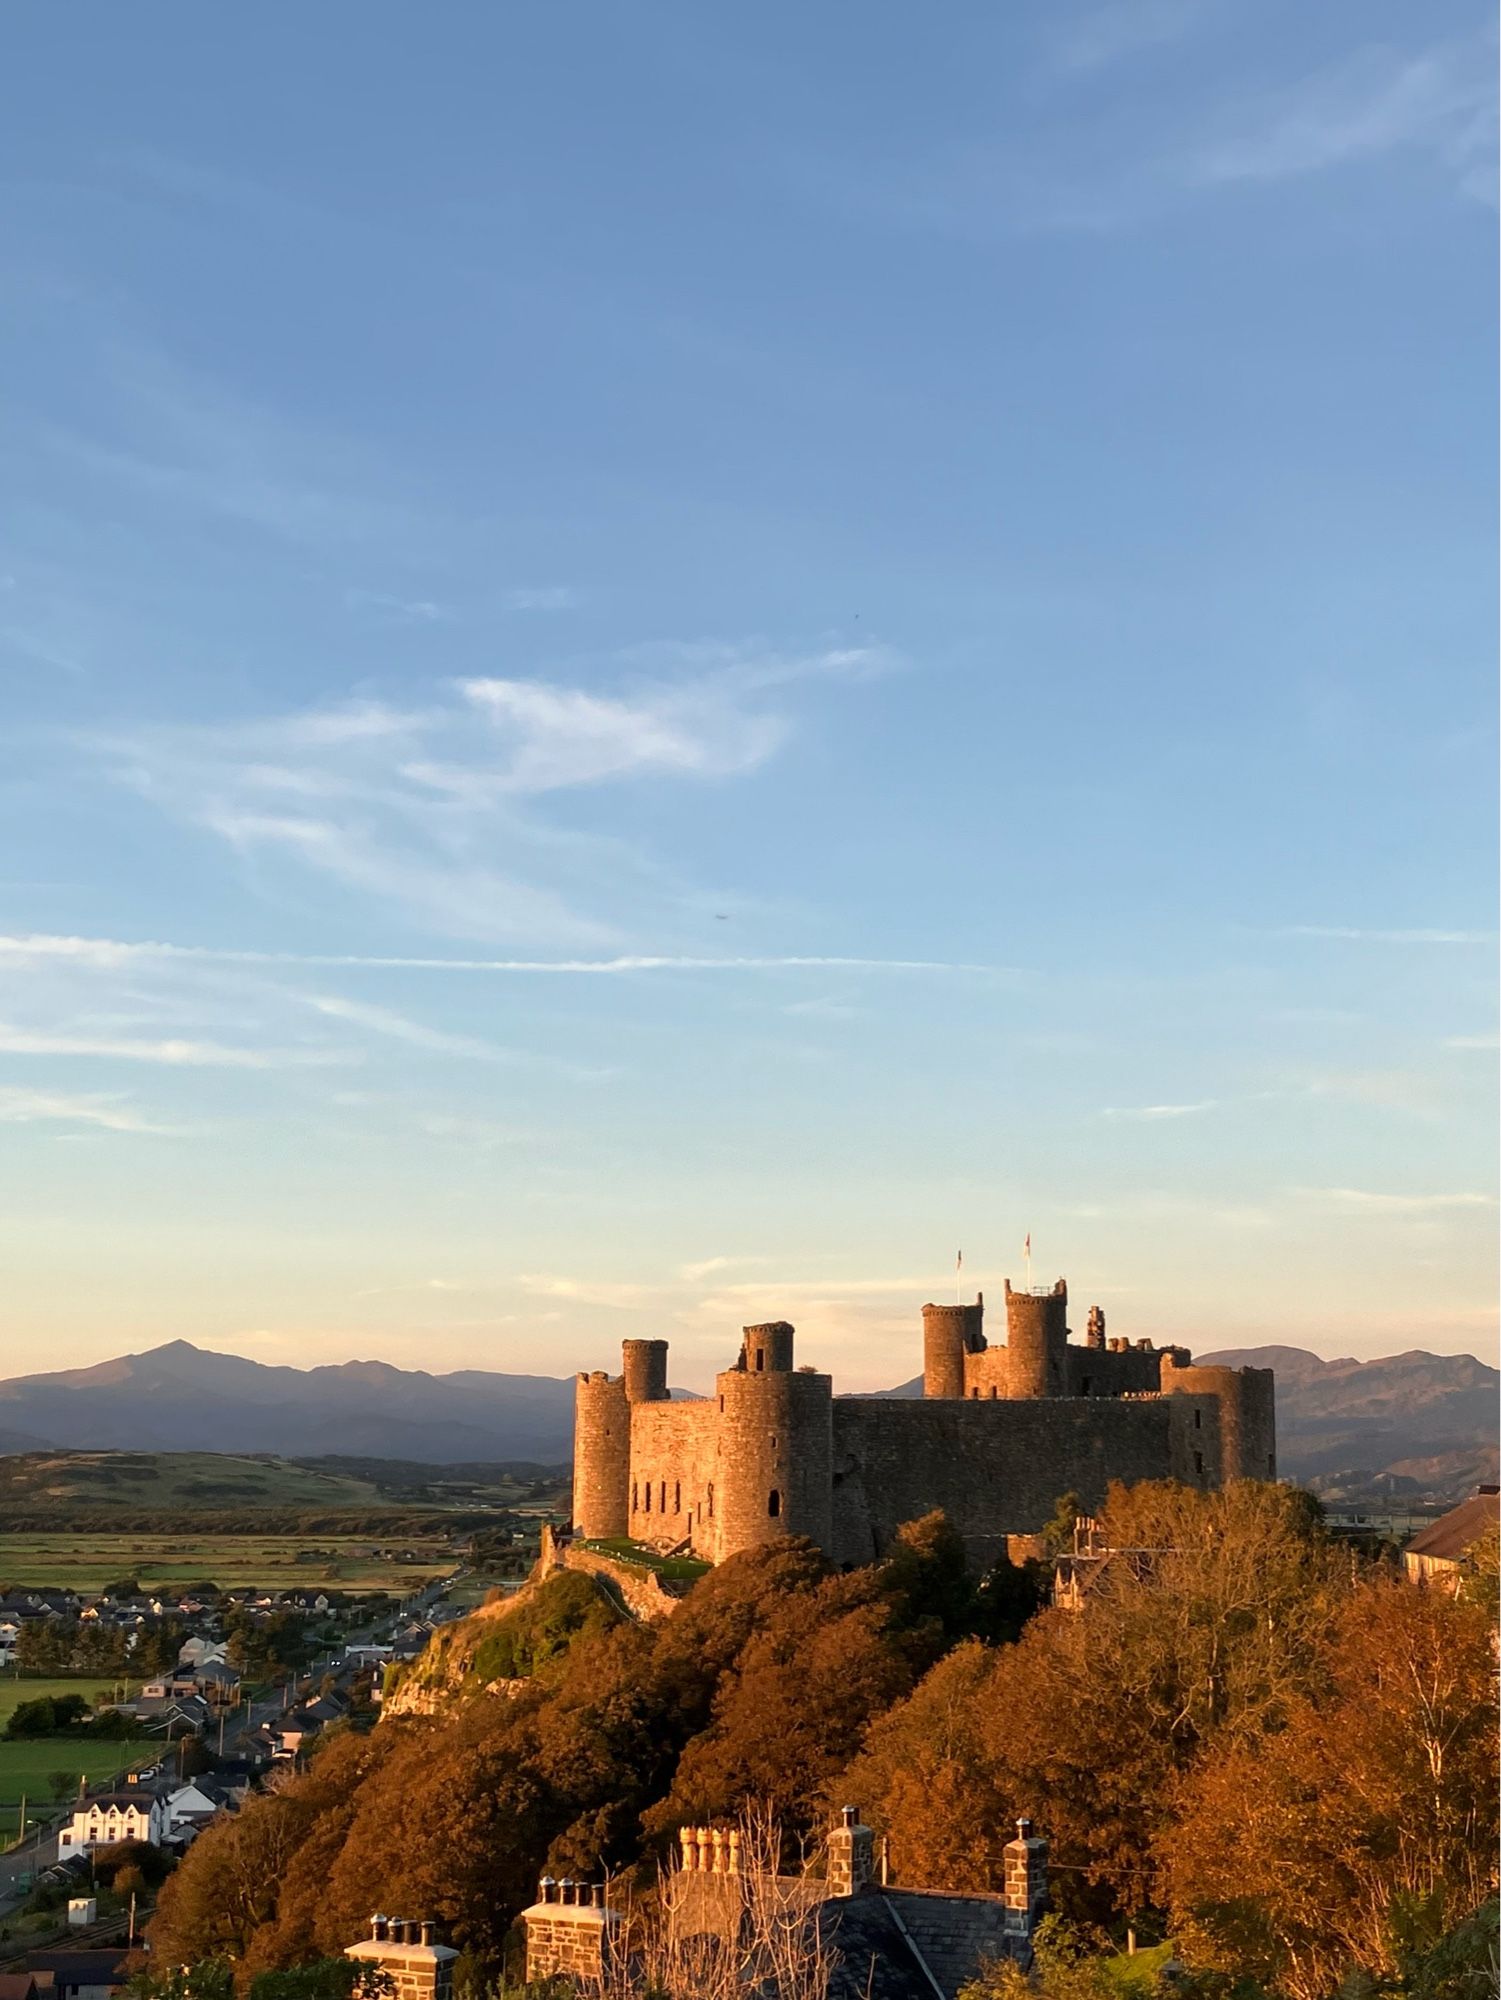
{"points": [[997, 1436], [876, 1941]]}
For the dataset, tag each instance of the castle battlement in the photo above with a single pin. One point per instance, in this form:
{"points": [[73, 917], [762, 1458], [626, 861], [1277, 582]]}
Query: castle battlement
{"points": [[997, 1436]]}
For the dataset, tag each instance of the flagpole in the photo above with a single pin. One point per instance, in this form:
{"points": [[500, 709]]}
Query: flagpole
{"points": [[1027, 1255], [959, 1278]]}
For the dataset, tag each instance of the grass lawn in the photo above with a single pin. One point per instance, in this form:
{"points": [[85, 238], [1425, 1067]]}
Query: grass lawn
{"points": [[86, 1562], [27, 1767], [672, 1569], [14, 1690]]}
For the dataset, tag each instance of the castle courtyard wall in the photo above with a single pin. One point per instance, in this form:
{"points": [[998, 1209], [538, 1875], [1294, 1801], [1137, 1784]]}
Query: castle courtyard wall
{"points": [[996, 1468]]}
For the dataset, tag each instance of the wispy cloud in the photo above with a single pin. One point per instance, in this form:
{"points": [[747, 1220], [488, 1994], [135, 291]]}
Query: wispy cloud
{"points": [[552, 597], [431, 808], [1109, 35], [1439, 103], [110, 1113], [1151, 1113], [174, 1053], [1488, 1043], [39, 947], [1353, 934], [400, 1028], [1377, 1203]]}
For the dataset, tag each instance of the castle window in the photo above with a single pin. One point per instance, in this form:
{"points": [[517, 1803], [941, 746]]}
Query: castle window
{"points": [[711, 1500], [648, 1496], [994, 1393], [774, 1503], [1198, 1420], [635, 1497], [976, 1394], [760, 1360], [1199, 1463], [1084, 1386], [1271, 1464], [721, 1406], [677, 1496], [662, 1499]]}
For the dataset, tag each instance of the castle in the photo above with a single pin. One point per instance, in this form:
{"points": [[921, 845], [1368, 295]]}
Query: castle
{"points": [[998, 1435]]}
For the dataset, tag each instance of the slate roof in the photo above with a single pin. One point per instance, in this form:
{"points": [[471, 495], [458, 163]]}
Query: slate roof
{"points": [[72, 1969], [1453, 1535], [896, 1944]]}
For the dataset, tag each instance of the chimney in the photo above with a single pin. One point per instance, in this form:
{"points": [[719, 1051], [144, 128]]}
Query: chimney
{"points": [[571, 1933], [405, 1953], [1026, 1890], [852, 1857]]}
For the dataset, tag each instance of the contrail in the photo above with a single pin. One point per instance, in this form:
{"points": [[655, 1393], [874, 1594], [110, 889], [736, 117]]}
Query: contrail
{"points": [[115, 951]]}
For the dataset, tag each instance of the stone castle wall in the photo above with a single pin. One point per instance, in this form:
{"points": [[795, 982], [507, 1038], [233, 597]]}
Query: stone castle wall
{"points": [[995, 1468]]}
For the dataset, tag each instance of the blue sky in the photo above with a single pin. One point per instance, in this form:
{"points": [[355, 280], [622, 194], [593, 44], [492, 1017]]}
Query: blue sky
{"points": [[660, 663]]}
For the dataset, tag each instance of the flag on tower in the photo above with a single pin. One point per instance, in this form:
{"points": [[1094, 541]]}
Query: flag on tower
{"points": [[1027, 1246]]}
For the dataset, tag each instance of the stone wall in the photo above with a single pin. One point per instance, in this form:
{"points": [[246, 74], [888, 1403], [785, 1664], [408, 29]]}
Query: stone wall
{"points": [[674, 1466], [995, 1468]]}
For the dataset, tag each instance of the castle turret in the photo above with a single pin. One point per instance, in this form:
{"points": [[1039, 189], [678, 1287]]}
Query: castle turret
{"points": [[1245, 1446], [1036, 1337], [601, 1456], [645, 1368], [948, 1334], [767, 1350], [775, 1448]]}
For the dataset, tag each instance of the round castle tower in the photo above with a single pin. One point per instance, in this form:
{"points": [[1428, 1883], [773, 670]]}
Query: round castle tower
{"points": [[948, 1334], [1036, 1337], [602, 1436], [775, 1447], [1247, 1413]]}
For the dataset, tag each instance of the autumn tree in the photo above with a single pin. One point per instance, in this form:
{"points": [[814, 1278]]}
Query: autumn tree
{"points": [[1204, 1627], [1369, 1825]]}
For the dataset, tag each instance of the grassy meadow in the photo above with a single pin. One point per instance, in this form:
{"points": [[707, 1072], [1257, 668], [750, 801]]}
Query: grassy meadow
{"points": [[86, 1562], [26, 1768]]}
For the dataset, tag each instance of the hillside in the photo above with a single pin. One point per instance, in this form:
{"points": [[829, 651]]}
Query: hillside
{"points": [[1412, 1425], [178, 1396], [67, 1482]]}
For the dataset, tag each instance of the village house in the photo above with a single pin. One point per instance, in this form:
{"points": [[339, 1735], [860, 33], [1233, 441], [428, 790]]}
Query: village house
{"points": [[133, 1813], [880, 1941], [1440, 1554]]}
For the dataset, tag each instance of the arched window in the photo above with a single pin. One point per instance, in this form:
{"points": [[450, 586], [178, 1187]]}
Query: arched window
{"points": [[774, 1503]]}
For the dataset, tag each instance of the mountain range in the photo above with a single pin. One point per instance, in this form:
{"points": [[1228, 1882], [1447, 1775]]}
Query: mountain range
{"points": [[1411, 1425]]}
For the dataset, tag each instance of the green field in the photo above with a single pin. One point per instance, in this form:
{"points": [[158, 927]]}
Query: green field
{"points": [[27, 1767], [86, 1562]]}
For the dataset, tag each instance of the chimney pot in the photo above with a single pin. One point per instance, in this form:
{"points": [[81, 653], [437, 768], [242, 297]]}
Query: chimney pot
{"points": [[426, 1931], [1024, 1829], [849, 1815]]}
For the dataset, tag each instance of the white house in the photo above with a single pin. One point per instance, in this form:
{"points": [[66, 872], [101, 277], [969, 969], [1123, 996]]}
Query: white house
{"points": [[135, 1814]]}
